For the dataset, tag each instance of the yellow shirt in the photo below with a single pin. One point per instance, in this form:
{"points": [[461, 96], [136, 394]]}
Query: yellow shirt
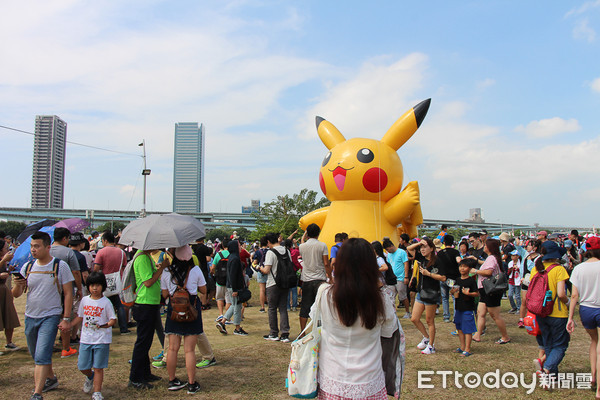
{"points": [[557, 274]]}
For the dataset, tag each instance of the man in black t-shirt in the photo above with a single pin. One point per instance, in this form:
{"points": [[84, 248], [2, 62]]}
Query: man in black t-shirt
{"points": [[476, 249], [447, 261]]}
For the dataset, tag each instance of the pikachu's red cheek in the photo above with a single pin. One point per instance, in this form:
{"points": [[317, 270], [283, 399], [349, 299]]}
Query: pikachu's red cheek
{"points": [[322, 183], [374, 180]]}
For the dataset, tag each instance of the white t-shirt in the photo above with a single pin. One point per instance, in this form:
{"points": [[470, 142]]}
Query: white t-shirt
{"points": [[96, 313], [586, 278], [271, 259], [43, 297], [195, 280]]}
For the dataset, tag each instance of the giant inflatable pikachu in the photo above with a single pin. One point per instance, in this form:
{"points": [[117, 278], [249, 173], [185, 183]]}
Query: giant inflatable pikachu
{"points": [[362, 178]]}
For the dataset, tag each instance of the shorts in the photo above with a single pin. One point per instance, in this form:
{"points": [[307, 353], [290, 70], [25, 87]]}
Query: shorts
{"points": [[590, 317], [465, 321], [93, 356], [490, 301], [261, 278], [40, 334], [401, 290], [309, 293], [222, 295], [418, 300]]}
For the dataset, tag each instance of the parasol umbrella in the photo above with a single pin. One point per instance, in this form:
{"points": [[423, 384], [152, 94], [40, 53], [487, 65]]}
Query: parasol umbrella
{"points": [[162, 231], [23, 252], [33, 228], [73, 224]]}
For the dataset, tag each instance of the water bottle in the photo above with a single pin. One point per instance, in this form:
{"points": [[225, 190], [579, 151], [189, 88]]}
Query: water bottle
{"points": [[547, 297]]}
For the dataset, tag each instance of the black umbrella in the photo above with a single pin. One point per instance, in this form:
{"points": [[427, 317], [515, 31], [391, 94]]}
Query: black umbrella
{"points": [[33, 228]]}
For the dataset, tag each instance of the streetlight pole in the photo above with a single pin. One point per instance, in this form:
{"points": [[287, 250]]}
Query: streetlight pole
{"points": [[145, 173]]}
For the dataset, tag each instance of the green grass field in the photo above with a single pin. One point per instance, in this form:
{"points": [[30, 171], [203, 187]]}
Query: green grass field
{"points": [[252, 368]]}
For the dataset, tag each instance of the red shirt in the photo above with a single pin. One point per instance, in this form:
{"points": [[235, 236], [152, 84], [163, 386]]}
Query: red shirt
{"points": [[111, 259]]}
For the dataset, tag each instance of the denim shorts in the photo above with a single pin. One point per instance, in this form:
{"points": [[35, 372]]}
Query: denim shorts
{"points": [[418, 300], [93, 356], [261, 278], [590, 317], [40, 334]]}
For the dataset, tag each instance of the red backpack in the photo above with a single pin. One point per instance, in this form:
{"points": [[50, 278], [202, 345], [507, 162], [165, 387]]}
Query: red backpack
{"points": [[539, 295]]}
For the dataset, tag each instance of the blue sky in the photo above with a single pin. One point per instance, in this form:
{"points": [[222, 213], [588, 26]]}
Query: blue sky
{"points": [[513, 125]]}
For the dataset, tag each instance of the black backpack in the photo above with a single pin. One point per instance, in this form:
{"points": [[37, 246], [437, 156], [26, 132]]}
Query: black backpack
{"points": [[286, 277], [221, 270]]}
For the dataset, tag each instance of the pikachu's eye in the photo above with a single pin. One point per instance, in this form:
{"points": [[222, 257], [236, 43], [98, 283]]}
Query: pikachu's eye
{"points": [[326, 159], [365, 156]]}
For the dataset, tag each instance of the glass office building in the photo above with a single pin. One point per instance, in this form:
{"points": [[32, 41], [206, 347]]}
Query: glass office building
{"points": [[188, 171]]}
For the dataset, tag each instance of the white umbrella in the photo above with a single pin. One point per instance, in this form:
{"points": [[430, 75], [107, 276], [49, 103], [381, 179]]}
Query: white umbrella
{"points": [[161, 231]]}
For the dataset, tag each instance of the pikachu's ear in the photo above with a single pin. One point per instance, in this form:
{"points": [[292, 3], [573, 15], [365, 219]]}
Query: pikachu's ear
{"points": [[406, 125], [329, 134]]}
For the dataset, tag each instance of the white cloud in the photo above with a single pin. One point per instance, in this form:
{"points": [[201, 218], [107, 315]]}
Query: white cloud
{"points": [[484, 84], [549, 127], [585, 7], [596, 85], [584, 31]]}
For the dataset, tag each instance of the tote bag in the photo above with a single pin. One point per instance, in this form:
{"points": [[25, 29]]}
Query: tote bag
{"points": [[113, 281], [304, 360]]}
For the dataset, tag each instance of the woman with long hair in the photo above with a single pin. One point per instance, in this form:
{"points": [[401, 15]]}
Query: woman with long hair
{"points": [[183, 274], [585, 281], [353, 315], [490, 303], [430, 277]]}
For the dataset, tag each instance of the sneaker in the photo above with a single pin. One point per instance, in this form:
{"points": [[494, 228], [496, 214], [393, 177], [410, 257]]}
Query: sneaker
{"points": [[36, 396], [159, 357], [140, 385], [274, 338], [230, 322], [153, 378], [294, 309], [447, 320], [437, 311], [538, 365], [285, 338], [193, 388], [428, 350], [127, 332], [159, 364], [176, 384], [50, 384], [219, 318], [68, 353], [521, 324], [88, 384], [221, 327], [424, 343], [131, 324], [407, 316], [514, 311], [11, 347], [240, 332], [454, 333], [206, 363], [262, 310], [97, 396]]}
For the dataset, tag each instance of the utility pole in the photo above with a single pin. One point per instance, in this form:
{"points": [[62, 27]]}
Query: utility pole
{"points": [[145, 173]]}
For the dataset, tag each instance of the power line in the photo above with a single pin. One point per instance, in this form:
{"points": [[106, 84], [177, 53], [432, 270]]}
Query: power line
{"points": [[75, 143]]}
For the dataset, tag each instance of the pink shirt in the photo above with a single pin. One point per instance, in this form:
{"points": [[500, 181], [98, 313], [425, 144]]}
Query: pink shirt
{"points": [[489, 263], [111, 259]]}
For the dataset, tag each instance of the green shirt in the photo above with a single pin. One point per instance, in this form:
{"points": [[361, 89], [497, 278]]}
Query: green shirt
{"points": [[144, 268]]}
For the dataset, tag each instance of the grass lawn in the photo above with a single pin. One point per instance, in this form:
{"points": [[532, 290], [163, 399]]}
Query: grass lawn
{"points": [[252, 368]]}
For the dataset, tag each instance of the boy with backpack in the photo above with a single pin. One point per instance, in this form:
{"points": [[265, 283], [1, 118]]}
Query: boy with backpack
{"points": [[219, 270]]}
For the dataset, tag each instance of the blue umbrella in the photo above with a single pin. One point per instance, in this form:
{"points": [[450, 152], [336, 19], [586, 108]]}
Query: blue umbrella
{"points": [[23, 253]]}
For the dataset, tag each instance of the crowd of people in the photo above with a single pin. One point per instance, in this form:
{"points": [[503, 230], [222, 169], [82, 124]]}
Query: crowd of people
{"points": [[71, 287]]}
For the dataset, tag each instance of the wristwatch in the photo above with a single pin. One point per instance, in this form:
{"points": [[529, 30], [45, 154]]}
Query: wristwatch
{"points": [[66, 319]]}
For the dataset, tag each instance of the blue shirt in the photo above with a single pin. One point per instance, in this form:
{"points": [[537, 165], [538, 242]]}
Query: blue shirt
{"points": [[334, 249], [397, 260]]}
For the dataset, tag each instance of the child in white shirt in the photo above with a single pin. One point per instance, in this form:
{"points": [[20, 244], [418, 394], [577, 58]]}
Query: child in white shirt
{"points": [[514, 282], [98, 317]]}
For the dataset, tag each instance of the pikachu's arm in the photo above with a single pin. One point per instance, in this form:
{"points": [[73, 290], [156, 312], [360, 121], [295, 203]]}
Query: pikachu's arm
{"points": [[314, 217], [400, 207]]}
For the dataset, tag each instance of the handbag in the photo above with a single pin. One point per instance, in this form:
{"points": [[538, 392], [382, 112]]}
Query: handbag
{"points": [[301, 379], [244, 295], [113, 281], [495, 284]]}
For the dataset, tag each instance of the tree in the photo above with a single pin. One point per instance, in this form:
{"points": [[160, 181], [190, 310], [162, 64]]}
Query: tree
{"points": [[283, 213], [116, 227], [12, 228]]}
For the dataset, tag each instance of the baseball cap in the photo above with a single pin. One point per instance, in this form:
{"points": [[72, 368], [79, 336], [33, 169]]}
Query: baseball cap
{"points": [[592, 243]]}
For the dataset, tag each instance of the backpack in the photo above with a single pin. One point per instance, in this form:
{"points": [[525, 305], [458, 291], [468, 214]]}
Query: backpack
{"points": [[539, 296], [183, 309], [54, 272], [286, 277], [531, 325], [128, 284], [221, 270]]}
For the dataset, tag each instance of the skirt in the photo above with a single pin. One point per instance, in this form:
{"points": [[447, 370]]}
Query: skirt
{"points": [[8, 314], [381, 395], [185, 328]]}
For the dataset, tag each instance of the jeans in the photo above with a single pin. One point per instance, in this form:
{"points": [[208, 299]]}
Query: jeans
{"points": [[120, 311], [277, 299], [235, 309], [514, 296], [145, 316], [293, 293], [445, 292], [40, 334], [555, 339]]}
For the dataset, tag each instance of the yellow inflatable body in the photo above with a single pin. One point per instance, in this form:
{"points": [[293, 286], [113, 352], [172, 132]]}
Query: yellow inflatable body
{"points": [[363, 180]]}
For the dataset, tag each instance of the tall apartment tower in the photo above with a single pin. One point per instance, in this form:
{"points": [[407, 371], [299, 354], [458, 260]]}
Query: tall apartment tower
{"points": [[188, 171], [49, 149]]}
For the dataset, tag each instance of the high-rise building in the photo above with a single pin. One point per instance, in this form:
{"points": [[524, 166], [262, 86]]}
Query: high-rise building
{"points": [[188, 171], [49, 150]]}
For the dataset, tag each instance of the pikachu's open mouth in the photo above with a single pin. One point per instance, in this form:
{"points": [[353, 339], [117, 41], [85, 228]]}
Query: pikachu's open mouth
{"points": [[339, 177]]}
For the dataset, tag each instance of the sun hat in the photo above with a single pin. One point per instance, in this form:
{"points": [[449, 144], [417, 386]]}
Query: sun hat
{"points": [[505, 237], [568, 243], [553, 250], [183, 253]]}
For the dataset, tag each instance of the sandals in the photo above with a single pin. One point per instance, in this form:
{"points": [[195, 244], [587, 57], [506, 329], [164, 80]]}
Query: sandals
{"points": [[476, 340], [465, 354], [502, 341], [458, 350]]}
